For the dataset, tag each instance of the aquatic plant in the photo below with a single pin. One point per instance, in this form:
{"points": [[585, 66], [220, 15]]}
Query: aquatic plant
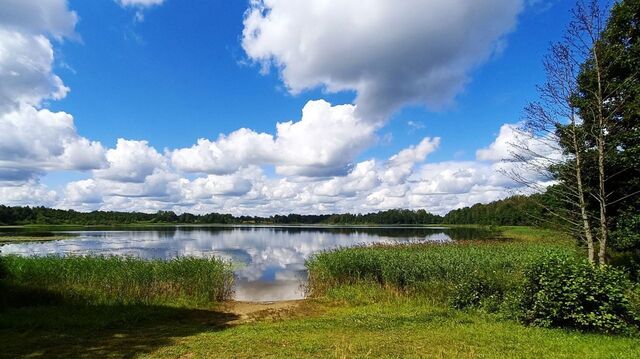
{"points": [[123, 280]]}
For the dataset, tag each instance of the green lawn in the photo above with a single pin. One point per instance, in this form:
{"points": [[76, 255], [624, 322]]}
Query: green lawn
{"points": [[351, 322]]}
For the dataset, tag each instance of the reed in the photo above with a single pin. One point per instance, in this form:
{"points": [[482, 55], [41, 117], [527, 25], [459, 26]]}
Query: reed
{"points": [[122, 280], [435, 269]]}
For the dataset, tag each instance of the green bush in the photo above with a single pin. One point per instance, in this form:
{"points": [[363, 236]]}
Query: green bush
{"points": [[479, 292], [562, 291]]}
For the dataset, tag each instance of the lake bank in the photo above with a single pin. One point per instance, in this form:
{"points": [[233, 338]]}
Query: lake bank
{"points": [[346, 320]]}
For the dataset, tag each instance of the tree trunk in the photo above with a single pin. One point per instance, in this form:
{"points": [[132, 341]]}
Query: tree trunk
{"points": [[586, 227], [602, 194], [581, 201]]}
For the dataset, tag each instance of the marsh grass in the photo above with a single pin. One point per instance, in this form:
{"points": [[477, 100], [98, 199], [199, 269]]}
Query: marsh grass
{"points": [[122, 280], [435, 270]]}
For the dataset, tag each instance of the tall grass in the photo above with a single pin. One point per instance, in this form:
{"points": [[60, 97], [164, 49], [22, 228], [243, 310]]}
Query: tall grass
{"points": [[122, 280], [435, 269]]}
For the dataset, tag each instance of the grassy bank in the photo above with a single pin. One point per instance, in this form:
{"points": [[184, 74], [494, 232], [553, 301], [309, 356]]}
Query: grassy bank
{"points": [[435, 270], [356, 321], [120, 280]]}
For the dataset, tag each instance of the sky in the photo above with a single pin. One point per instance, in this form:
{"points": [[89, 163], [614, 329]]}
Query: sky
{"points": [[266, 107]]}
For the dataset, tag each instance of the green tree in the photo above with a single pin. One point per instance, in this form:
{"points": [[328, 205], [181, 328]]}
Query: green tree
{"points": [[608, 103]]}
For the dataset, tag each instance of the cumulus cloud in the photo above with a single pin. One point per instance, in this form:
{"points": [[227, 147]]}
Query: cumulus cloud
{"points": [[523, 155], [25, 193], [38, 17], [504, 146], [130, 161], [211, 186], [83, 192], [405, 180], [389, 52], [26, 75], [362, 178], [33, 141], [324, 142], [400, 166], [226, 154]]}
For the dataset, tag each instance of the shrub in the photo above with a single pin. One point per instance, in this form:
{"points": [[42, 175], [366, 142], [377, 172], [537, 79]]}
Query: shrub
{"points": [[479, 292], [562, 291]]}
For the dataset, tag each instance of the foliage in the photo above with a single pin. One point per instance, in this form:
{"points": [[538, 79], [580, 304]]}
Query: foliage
{"points": [[607, 101], [479, 292], [393, 216], [122, 280], [513, 211], [44, 216], [517, 210], [562, 291]]}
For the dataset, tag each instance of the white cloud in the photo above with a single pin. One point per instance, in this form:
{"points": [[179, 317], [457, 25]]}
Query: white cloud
{"points": [[504, 145], [26, 75], [236, 184], [400, 166], [389, 52], [246, 190], [324, 142], [26, 193], [33, 141], [83, 192], [405, 180], [226, 154], [38, 17], [141, 3], [362, 178], [131, 161]]}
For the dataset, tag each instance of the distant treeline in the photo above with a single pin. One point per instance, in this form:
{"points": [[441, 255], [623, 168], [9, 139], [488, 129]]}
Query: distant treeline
{"points": [[512, 211], [517, 210]]}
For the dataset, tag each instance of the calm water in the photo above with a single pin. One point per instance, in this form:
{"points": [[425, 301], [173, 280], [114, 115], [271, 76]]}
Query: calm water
{"points": [[269, 261]]}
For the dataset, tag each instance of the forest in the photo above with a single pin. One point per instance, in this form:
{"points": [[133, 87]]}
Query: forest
{"points": [[516, 210]]}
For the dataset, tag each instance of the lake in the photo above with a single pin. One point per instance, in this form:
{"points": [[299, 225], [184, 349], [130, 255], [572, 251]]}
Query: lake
{"points": [[268, 260]]}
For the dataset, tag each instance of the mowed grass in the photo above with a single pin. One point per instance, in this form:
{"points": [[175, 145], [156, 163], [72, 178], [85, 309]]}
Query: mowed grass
{"points": [[116, 280], [398, 327], [355, 321]]}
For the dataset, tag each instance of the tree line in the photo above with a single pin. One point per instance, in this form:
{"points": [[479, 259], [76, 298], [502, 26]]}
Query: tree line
{"points": [[511, 211]]}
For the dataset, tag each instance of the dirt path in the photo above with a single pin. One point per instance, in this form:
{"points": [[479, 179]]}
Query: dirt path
{"points": [[251, 311]]}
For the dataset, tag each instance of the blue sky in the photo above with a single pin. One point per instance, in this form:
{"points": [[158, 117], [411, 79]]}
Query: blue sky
{"points": [[181, 74], [174, 72]]}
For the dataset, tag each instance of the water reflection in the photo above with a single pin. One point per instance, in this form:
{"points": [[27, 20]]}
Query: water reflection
{"points": [[268, 261]]}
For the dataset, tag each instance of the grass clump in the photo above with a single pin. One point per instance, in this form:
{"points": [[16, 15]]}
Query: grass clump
{"points": [[121, 280]]}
